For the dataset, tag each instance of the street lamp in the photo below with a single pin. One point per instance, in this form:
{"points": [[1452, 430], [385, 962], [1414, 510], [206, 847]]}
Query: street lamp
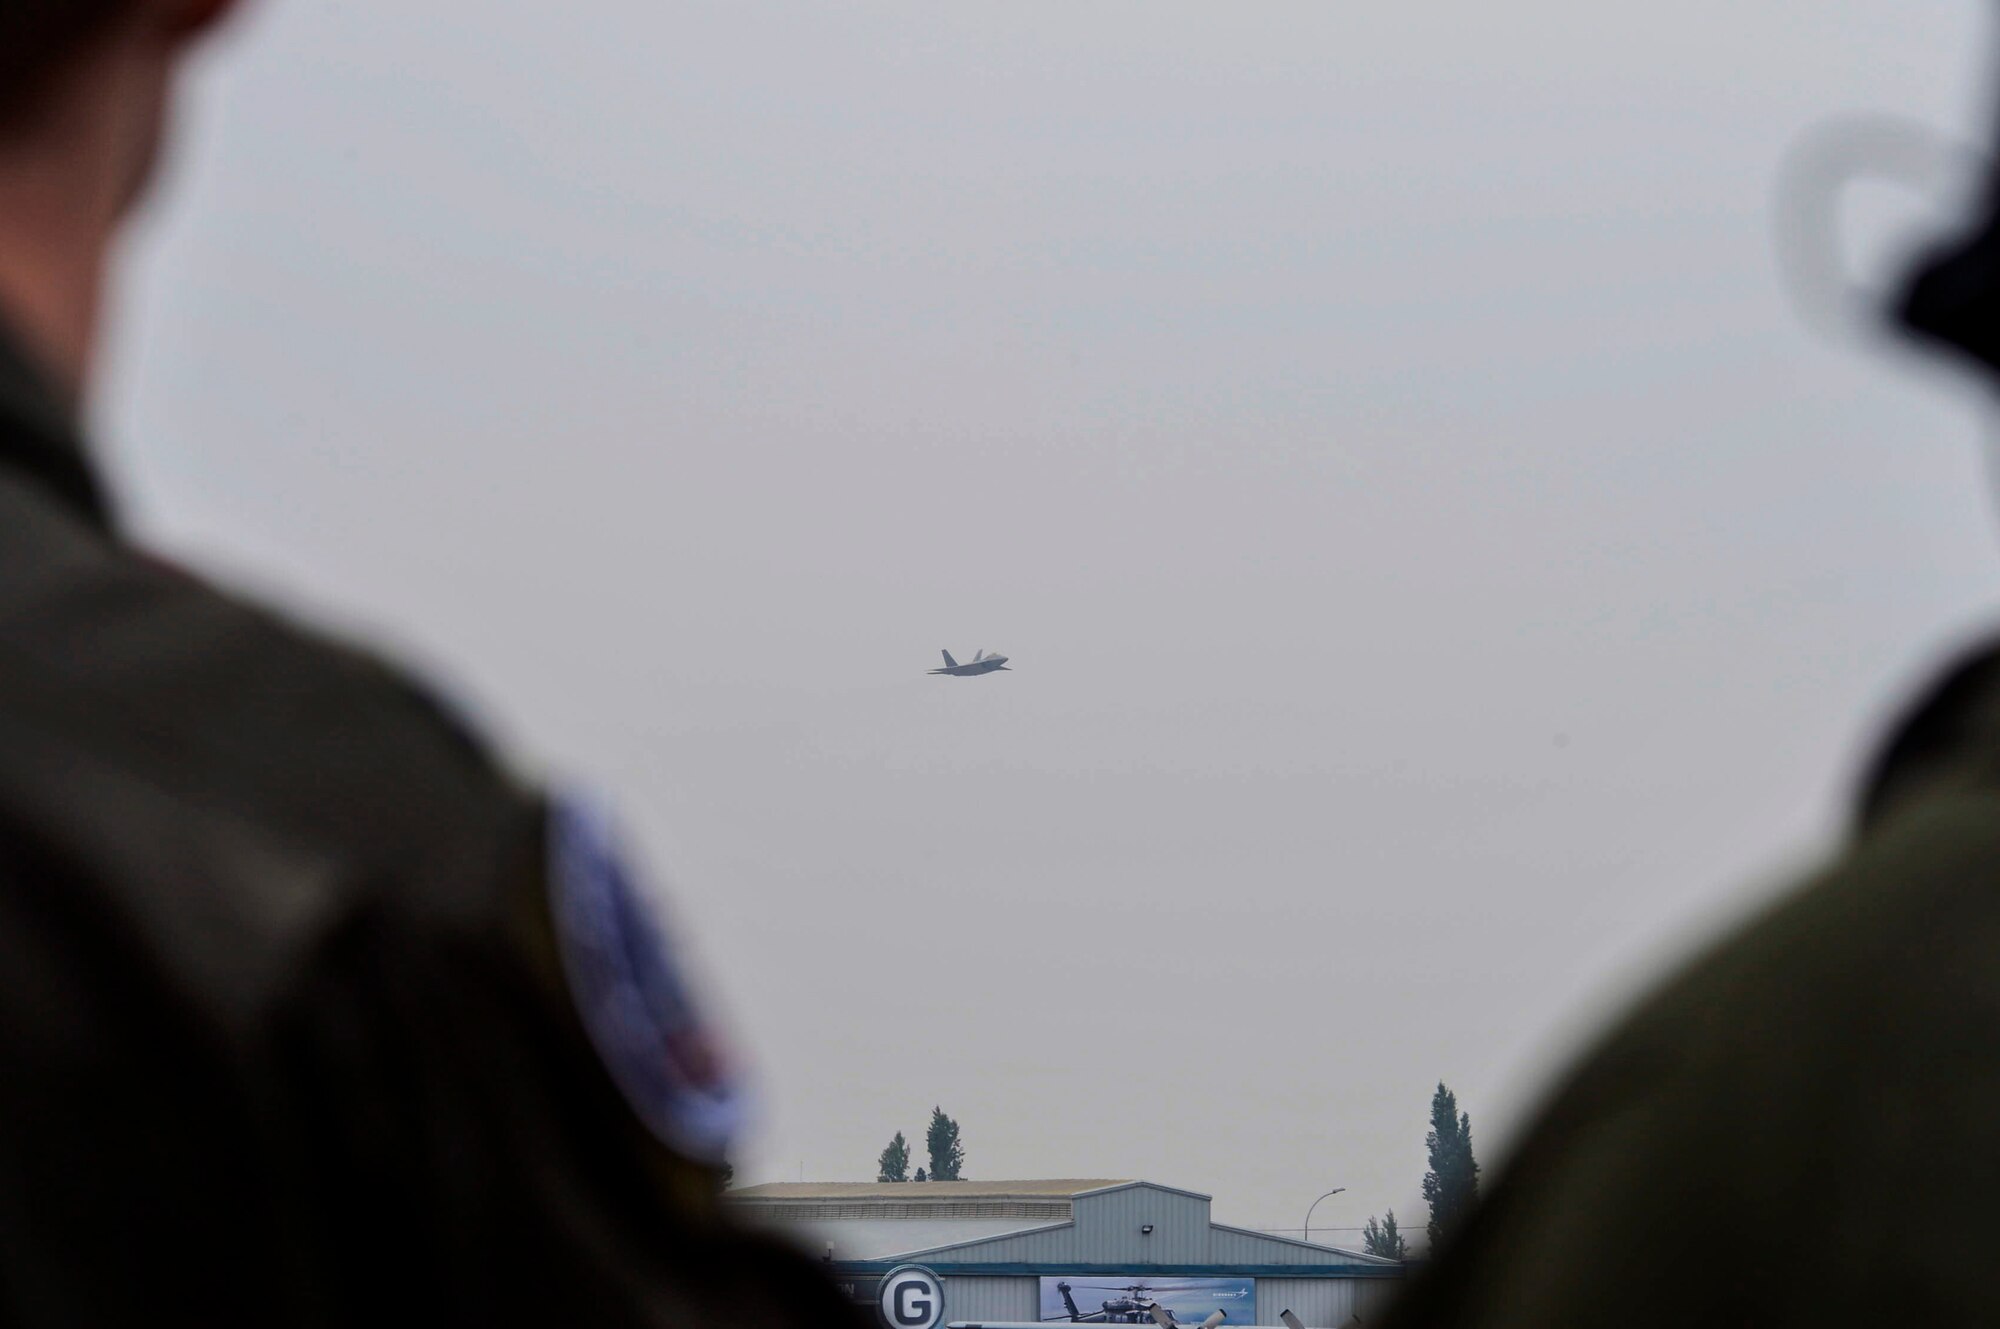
{"points": [[1314, 1205]]}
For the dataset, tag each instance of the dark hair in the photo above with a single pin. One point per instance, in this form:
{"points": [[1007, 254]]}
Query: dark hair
{"points": [[36, 37]]}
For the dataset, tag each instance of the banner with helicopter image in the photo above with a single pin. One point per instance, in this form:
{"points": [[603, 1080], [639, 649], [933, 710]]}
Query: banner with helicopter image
{"points": [[1120, 1300]]}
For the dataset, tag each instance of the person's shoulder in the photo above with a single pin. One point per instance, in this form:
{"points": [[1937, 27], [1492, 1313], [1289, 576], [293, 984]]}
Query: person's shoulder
{"points": [[234, 703], [230, 781], [1855, 942], [1855, 1018], [1911, 886], [1859, 959]]}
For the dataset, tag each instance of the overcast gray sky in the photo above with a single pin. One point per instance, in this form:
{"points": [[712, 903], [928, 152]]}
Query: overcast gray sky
{"points": [[1442, 576]]}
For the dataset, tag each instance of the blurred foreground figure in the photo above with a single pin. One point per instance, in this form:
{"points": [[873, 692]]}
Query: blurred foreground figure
{"points": [[1803, 1127], [308, 1014]]}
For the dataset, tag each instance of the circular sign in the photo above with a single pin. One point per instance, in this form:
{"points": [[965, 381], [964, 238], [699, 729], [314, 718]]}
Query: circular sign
{"points": [[911, 1297]]}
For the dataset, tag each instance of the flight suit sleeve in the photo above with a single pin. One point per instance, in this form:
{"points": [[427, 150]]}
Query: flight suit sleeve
{"points": [[459, 1136]]}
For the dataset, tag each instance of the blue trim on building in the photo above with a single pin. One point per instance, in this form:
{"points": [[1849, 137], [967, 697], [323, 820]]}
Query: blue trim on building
{"points": [[949, 1269]]}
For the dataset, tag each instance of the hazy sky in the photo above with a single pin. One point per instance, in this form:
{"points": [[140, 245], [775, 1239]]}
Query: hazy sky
{"points": [[1442, 575]]}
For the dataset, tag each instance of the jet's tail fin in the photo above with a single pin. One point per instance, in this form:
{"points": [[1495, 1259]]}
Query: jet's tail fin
{"points": [[949, 663]]}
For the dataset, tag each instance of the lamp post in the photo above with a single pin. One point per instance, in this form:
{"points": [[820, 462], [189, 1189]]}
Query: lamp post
{"points": [[1314, 1205]]}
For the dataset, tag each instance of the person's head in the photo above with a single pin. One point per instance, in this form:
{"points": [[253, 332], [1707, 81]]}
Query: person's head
{"points": [[107, 60], [1951, 294], [84, 93]]}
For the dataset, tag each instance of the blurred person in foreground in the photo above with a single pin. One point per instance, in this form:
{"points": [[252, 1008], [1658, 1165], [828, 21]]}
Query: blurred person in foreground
{"points": [[309, 1014], [1803, 1126]]}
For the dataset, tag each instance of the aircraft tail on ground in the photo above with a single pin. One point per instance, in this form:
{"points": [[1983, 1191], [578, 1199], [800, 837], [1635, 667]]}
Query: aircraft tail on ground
{"points": [[949, 663]]}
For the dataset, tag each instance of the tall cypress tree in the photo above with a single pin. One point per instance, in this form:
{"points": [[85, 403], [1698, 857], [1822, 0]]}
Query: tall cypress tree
{"points": [[894, 1165], [942, 1140], [1452, 1184]]}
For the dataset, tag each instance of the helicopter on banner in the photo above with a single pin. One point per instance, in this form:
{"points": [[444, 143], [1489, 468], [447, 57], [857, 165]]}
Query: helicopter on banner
{"points": [[1134, 1307]]}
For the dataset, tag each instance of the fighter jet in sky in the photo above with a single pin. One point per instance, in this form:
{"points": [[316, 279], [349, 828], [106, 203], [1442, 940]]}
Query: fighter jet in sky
{"points": [[982, 663]]}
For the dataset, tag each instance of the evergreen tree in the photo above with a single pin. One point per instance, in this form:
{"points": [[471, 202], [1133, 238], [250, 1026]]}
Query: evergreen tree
{"points": [[1384, 1238], [1452, 1184], [894, 1164], [921, 1176], [942, 1139]]}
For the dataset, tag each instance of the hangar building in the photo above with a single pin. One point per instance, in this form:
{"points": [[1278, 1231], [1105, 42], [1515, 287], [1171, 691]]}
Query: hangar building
{"points": [[1002, 1247]]}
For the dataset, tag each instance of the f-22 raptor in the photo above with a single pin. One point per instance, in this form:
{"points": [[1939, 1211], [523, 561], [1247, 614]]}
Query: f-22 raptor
{"points": [[982, 663]]}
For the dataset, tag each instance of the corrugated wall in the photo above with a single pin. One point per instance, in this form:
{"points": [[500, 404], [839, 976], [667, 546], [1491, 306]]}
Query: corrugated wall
{"points": [[1324, 1303], [1005, 1299], [1110, 1224], [1107, 1231]]}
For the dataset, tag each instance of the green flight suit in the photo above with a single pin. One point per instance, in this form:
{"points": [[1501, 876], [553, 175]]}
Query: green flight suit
{"points": [[288, 1033], [1802, 1127]]}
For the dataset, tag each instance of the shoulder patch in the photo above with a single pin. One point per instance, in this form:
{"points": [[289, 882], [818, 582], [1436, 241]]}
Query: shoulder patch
{"points": [[630, 993]]}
